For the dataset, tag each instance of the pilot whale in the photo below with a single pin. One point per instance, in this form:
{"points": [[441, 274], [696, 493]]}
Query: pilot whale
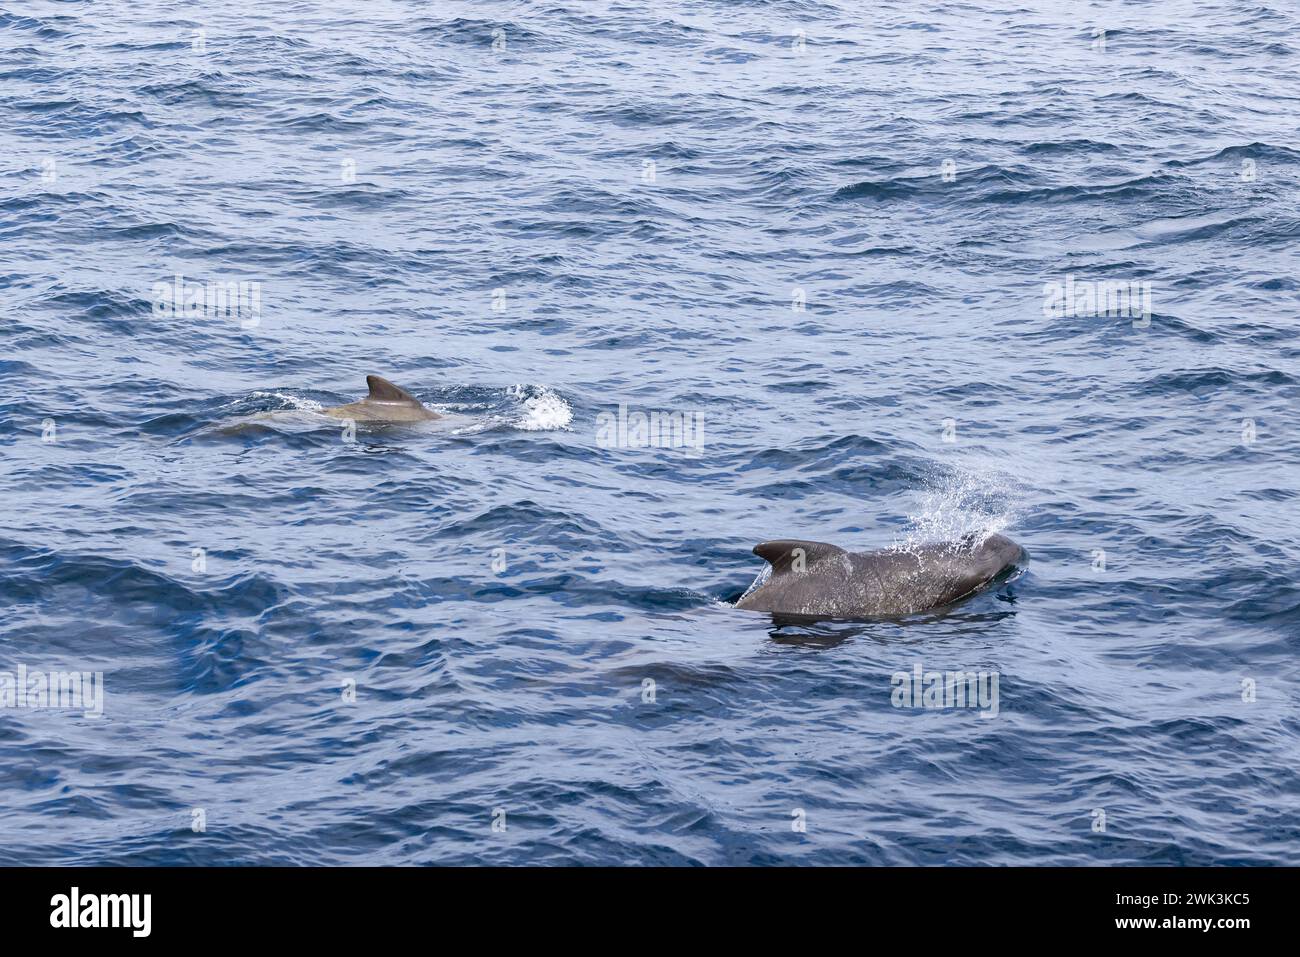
{"points": [[817, 580], [385, 403]]}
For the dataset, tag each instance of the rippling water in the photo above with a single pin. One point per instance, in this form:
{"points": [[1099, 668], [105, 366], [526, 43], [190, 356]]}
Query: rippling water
{"points": [[825, 231]]}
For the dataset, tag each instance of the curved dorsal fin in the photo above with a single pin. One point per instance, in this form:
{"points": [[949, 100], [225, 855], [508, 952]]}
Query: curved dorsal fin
{"points": [[381, 390], [783, 553]]}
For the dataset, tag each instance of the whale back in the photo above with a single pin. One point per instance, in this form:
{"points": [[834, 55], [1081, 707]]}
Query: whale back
{"points": [[786, 555], [386, 402]]}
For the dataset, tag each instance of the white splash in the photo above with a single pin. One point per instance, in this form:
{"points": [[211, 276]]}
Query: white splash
{"points": [[759, 580], [544, 409], [959, 502]]}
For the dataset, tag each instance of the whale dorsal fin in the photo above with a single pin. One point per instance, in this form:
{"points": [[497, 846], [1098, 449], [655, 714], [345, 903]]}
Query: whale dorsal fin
{"points": [[783, 553], [381, 390]]}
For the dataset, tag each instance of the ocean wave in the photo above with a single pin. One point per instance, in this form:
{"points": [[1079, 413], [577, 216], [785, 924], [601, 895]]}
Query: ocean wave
{"points": [[831, 245]]}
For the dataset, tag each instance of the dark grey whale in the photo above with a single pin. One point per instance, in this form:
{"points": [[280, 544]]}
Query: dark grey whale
{"points": [[817, 580]]}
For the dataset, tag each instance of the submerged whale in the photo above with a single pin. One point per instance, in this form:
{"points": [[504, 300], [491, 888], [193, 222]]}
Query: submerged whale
{"points": [[385, 403], [817, 580]]}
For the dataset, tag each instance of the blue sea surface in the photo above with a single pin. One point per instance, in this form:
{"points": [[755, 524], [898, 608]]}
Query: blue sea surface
{"points": [[826, 233]]}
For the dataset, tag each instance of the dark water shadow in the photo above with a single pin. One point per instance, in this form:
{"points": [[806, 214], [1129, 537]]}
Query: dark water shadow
{"points": [[814, 631], [811, 632]]}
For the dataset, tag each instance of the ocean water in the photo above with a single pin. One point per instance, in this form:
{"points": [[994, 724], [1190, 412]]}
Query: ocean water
{"points": [[823, 233]]}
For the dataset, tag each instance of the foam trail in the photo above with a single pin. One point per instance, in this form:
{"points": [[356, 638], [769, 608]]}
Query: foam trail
{"points": [[296, 403]]}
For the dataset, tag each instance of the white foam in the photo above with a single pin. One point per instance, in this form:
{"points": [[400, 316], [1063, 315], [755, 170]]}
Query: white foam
{"points": [[544, 409]]}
